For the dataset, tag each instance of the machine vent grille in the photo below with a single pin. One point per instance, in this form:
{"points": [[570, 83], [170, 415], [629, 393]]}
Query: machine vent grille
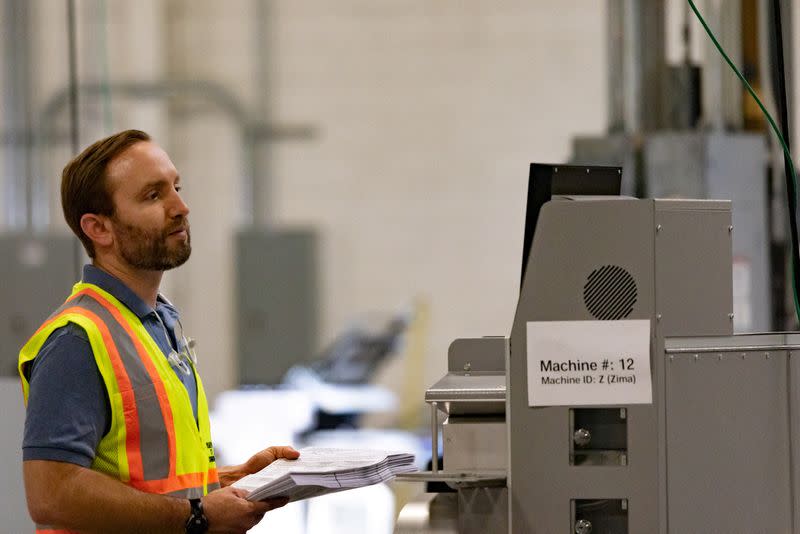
{"points": [[610, 293]]}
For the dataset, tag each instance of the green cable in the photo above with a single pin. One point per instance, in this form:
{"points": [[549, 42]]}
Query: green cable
{"points": [[775, 128]]}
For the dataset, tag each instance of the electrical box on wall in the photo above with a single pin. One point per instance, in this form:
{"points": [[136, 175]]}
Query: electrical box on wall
{"points": [[276, 302], [38, 271]]}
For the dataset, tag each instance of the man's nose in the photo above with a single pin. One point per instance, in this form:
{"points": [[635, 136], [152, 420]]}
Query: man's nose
{"points": [[178, 206]]}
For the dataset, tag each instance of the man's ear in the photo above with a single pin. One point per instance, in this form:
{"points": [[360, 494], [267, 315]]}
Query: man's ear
{"points": [[98, 229]]}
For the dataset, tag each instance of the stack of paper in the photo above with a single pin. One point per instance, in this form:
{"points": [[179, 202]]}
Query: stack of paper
{"points": [[319, 471]]}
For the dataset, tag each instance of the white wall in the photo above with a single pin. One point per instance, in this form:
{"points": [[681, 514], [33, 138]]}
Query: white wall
{"points": [[429, 114]]}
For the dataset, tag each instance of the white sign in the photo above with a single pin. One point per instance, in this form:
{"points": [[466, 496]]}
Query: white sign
{"points": [[578, 363]]}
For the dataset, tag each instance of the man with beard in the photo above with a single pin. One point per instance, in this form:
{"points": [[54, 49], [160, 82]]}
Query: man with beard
{"points": [[117, 435]]}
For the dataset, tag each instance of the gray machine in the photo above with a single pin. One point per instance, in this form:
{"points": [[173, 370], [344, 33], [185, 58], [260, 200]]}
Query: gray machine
{"points": [[714, 450]]}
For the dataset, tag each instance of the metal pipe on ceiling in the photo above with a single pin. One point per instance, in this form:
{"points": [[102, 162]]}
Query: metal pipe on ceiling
{"points": [[252, 133]]}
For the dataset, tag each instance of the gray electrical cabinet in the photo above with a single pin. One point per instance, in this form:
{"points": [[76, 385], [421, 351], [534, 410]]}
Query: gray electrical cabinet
{"points": [[13, 508], [276, 302], [39, 272]]}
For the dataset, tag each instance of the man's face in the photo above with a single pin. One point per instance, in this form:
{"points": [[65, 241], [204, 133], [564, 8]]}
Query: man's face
{"points": [[150, 222]]}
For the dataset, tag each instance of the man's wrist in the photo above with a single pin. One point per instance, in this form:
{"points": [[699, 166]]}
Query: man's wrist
{"points": [[197, 522]]}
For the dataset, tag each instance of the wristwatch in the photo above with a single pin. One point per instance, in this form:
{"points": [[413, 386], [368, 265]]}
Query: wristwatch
{"points": [[197, 522]]}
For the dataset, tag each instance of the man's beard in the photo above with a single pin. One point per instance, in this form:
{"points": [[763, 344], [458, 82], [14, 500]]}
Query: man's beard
{"points": [[149, 249]]}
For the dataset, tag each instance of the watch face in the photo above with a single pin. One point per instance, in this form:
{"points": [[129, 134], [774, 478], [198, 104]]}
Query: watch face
{"points": [[197, 522]]}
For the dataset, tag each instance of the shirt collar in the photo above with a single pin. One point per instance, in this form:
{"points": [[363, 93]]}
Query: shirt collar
{"points": [[168, 313], [118, 289]]}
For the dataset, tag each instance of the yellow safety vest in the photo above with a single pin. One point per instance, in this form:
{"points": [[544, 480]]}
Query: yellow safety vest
{"points": [[154, 443]]}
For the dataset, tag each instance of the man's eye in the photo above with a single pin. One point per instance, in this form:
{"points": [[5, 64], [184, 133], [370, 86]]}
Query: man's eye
{"points": [[153, 195], [178, 188]]}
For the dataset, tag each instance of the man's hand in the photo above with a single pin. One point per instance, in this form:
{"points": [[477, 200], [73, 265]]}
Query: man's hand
{"points": [[228, 511], [257, 462]]}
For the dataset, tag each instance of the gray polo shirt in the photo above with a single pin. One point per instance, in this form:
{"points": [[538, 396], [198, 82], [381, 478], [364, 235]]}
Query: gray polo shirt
{"points": [[68, 409]]}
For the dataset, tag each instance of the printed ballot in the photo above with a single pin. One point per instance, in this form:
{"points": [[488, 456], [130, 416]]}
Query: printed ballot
{"points": [[319, 471]]}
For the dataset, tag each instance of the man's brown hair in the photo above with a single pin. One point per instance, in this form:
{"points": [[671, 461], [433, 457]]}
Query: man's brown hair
{"points": [[83, 181]]}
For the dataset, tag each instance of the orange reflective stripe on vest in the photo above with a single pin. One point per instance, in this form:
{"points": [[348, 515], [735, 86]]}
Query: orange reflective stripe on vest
{"points": [[132, 443], [177, 483], [151, 380]]}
